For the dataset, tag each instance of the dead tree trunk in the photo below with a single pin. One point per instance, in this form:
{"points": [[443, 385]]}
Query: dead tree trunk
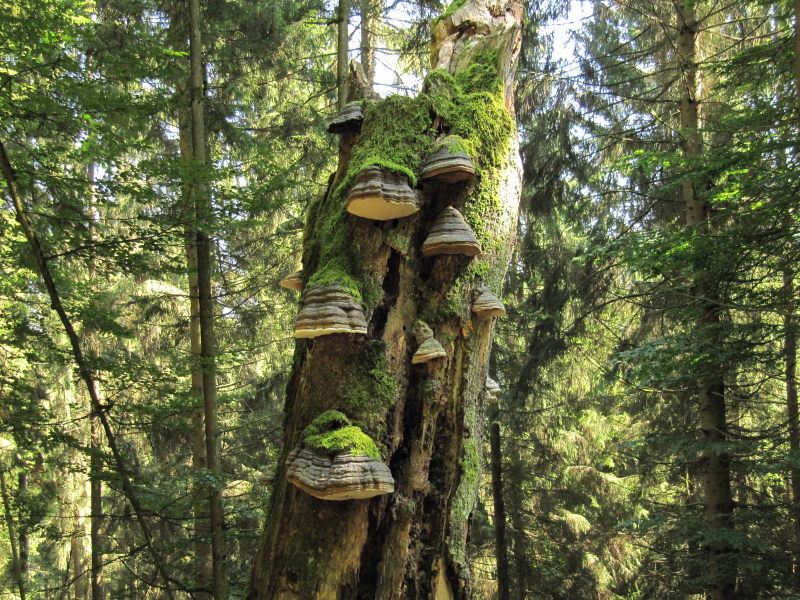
{"points": [[426, 418]]}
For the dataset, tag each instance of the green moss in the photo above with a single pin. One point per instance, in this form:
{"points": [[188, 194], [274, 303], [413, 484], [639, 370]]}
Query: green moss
{"points": [[333, 432], [397, 134], [464, 501], [472, 104], [453, 7], [370, 388]]}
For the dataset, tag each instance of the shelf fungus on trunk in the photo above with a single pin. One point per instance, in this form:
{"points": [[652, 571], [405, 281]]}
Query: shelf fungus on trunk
{"points": [[428, 348], [487, 305], [337, 461], [449, 162], [328, 309], [450, 234], [380, 194], [293, 281], [348, 119], [492, 389]]}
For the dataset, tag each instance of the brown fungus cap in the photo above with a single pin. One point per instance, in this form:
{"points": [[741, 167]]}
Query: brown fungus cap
{"points": [[487, 305], [293, 281], [326, 310], [450, 234], [428, 350], [449, 163], [343, 476], [380, 194], [348, 119]]}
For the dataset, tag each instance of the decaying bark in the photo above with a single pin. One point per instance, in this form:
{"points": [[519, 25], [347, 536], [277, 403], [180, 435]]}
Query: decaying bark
{"points": [[412, 543]]}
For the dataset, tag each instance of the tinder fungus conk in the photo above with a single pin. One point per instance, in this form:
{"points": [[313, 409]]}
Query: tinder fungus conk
{"points": [[348, 119], [328, 309], [492, 388], [337, 461], [450, 234], [487, 305], [428, 348], [449, 163], [293, 281], [380, 194]]}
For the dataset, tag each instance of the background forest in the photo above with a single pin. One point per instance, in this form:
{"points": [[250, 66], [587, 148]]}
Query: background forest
{"points": [[158, 157]]}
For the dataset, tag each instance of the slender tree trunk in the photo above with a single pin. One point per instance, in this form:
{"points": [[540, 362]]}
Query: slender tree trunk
{"points": [[790, 347], [369, 17], [521, 560], [95, 432], [796, 61], [202, 531], [24, 539], [790, 373], [715, 463], [204, 216], [343, 41], [500, 543], [12, 536], [410, 544]]}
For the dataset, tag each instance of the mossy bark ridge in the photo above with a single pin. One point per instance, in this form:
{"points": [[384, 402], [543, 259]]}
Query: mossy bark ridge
{"points": [[425, 419]]}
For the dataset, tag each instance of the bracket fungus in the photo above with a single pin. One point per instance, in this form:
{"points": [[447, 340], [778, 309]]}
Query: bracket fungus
{"points": [[492, 388], [428, 348], [328, 309], [449, 163], [381, 194], [337, 461], [348, 119], [487, 305], [293, 281], [450, 234]]}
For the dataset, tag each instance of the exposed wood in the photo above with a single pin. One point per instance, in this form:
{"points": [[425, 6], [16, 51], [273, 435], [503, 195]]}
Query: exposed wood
{"points": [[343, 41], [370, 13]]}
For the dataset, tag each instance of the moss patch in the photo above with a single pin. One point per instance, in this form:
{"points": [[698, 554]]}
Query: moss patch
{"points": [[368, 390], [396, 134], [333, 432], [464, 501], [472, 104], [453, 7]]}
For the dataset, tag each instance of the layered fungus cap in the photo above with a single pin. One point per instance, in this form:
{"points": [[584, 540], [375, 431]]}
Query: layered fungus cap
{"points": [[329, 309], [449, 162], [380, 194], [427, 351], [348, 119], [450, 234], [487, 305], [337, 461], [293, 281]]}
